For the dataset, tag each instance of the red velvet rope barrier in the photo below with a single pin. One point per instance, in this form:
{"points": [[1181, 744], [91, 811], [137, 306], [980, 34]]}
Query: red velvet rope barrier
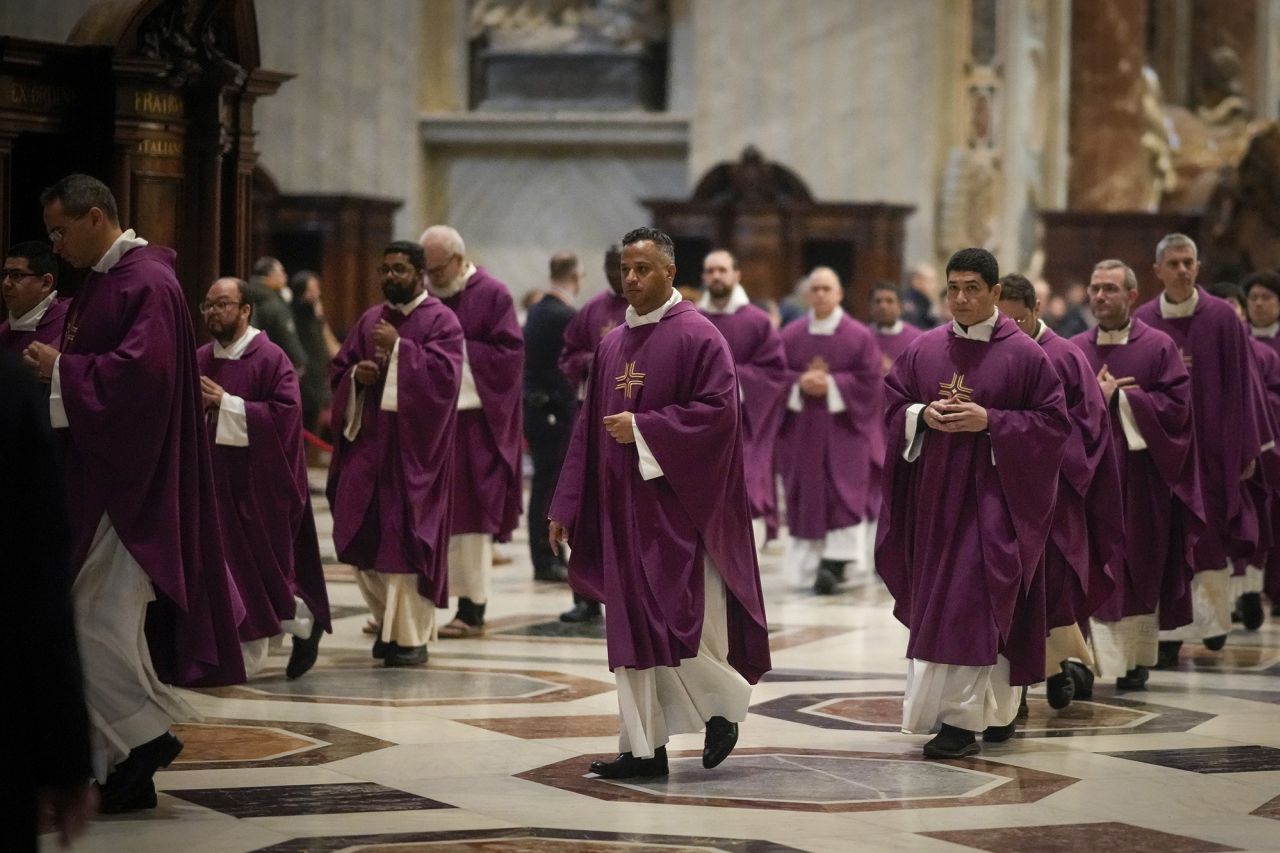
{"points": [[317, 442]]}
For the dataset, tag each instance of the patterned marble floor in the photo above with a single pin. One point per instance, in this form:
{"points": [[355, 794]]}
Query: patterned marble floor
{"points": [[487, 748]]}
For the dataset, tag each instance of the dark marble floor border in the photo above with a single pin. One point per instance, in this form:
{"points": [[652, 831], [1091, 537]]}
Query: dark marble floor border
{"points": [[335, 744], [515, 836]]}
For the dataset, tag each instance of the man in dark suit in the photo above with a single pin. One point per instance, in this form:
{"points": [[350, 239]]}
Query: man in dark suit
{"points": [[549, 404]]}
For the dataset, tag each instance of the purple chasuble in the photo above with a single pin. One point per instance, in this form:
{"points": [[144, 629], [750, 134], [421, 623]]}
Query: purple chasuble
{"points": [[963, 528], [1265, 482], [1163, 510], [48, 329], [599, 316], [831, 463], [1087, 540], [756, 348], [894, 345], [136, 449], [390, 489], [1215, 346], [486, 468], [264, 500], [638, 545]]}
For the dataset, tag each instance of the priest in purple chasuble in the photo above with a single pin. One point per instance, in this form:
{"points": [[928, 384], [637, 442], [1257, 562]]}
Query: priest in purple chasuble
{"points": [[1087, 539], [893, 336], [254, 407], [1216, 350], [1262, 293], [831, 445], [653, 500], [1249, 572], [29, 288], [600, 315], [486, 467], [390, 488], [1148, 391], [977, 428], [756, 347], [154, 603]]}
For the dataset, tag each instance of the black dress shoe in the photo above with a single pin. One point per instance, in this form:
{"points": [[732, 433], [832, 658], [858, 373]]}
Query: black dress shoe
{"points": [[826, 582], [1251, 612], [129, 782], [1000, 734], [304, 653], [145, 798], [1275, 609], [1215, 644], [405, 656], [721, 737], [1060, 690], [952, 742], [1081, 677], [380, 649], [554, 572], [1167, 654], [1134, 679], [627, 766], [582, 611], [836, 567], [1023, 711]]}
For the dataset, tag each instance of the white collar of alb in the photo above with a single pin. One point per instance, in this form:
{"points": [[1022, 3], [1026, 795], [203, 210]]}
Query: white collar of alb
{"points": [[978, 331], [30, 321], [737, 299], [1172, 311], [1266, 331], [238, 346], [828, 324], [890, 331], [407, 308], [126, 241], [1115, 338], [634, 319]]}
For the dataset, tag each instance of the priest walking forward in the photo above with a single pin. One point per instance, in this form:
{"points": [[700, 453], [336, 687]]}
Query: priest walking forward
{"points": [[251, 393], [831, 445], [892, 335], [1148, 393], [1087, 540], [977, 426], [756, 347], [153, 601], [390, 487], [1215, 348], [29, 289], [653, 500], [1262, 292], [486, 467], [599, 316]]}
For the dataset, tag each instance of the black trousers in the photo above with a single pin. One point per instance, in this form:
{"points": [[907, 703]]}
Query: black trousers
{"points": [[548, 431]]}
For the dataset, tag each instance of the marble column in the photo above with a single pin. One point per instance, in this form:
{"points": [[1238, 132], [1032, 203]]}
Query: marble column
{"points": [[1108, 47]]}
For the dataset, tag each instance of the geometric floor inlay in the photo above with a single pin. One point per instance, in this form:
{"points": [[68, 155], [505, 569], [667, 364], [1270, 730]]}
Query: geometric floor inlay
{"points": [[1270, 809], [814, 780], [883, 712], [366, 684], [287, 800], [1070, 838], [1212, 759], [223, 744], [541, 629], [525, 839], [538, 728]]}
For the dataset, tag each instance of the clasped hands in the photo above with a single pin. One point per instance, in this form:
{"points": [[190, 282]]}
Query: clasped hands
{"points": [[955, 415], [39, 358], [210, 393], [1111, 384], [384, 340], [815, 381]]}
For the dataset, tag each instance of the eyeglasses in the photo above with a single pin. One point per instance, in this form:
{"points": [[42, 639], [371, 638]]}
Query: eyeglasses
{"points": [[17, 275], [61, 231], [220, 305], [397, 269]]}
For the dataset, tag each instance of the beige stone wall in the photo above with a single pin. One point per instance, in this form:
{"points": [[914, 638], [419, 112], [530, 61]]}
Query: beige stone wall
{"points": [[847, 94]]}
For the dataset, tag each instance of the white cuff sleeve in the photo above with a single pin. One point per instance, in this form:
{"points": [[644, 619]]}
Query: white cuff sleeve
{"points": [[794, 403], [468, 396], [835, 403], [741, 396], [649, 467], [355, 410], [233, 426], [391, 388], [1132, 435], [915, 437], [57, 412]]}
